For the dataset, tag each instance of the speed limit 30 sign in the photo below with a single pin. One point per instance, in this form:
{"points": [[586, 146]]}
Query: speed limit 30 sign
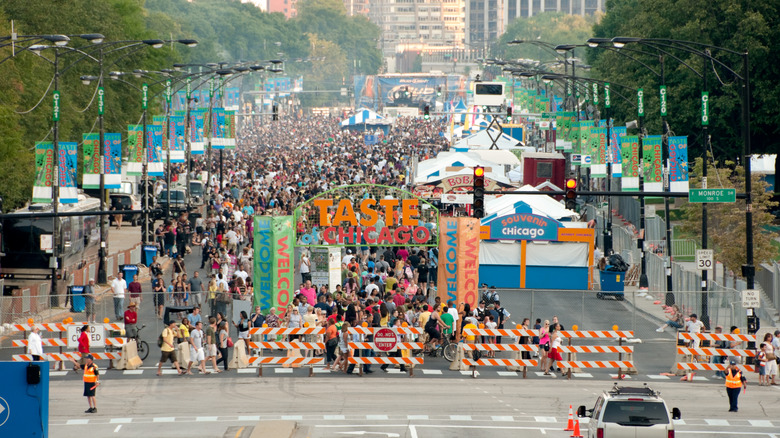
{"points": [[705, 259]]}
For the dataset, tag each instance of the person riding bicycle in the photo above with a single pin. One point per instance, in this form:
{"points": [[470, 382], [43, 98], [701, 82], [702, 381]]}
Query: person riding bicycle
{"points": [[432, 329]]}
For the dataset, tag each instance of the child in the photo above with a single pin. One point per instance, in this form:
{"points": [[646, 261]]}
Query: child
{"points": [[490, 324], [762, 378]]}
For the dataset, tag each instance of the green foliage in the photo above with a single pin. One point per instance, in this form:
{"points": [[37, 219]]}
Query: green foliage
{"points": [[739, 26], [550, 27]]}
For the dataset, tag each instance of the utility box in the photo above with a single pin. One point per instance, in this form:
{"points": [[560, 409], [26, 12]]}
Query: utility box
{"points": [[24, 399]]}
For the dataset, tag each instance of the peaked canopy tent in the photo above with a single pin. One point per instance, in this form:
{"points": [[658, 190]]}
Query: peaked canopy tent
{"points": [[482, 140], [430, 171], [365, 119]]}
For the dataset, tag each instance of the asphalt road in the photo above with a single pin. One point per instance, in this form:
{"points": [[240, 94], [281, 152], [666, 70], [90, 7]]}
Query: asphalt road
{"points": [[411, 408]]}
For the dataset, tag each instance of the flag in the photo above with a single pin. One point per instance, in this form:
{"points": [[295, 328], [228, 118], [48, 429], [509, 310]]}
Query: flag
{"points": [[112, 160], [652, 162], [135, 149], [91, 177], [678, 164]]}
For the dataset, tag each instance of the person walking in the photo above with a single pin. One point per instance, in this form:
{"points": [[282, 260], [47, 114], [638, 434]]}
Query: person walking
{"points": [[168, 347], [119, 287], [131, 321], [89, 301], [222, 339], [91, 382], [305, 267], [735, 382], [35, 344]]}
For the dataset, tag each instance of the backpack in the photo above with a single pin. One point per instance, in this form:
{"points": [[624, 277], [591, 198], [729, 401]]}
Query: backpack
{"points": [[430, 324]]}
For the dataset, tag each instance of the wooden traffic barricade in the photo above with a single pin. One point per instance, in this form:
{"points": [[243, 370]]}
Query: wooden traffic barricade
{"points": [[297, 361], [408, 362], [691, 359], [293, 348]]}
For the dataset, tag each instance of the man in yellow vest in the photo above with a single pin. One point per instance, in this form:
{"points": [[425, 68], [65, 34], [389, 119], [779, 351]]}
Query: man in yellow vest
{"points": [[735, 382], [91, 382]]}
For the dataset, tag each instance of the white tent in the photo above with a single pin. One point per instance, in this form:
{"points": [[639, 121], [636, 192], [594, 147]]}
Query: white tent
{"points": [[481, 140], [435, 169], [541, 205], [363, 116]]}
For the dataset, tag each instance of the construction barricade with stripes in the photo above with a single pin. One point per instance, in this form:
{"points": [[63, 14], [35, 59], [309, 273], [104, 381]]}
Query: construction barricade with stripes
{"points": [[104, 340], [294, 347], [521, 364], [691, 357], [401, 355]]}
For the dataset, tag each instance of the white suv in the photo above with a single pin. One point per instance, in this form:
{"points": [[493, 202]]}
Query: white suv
{"points": [[624, 412]]}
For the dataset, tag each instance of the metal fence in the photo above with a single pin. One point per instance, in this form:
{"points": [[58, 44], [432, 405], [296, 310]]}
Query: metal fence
{"points": [[768, 276]]}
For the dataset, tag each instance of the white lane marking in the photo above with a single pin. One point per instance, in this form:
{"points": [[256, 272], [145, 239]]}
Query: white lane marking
{"points": [[539, 374], [502, 418], [545, 419], [283, 370], [395, 371], [376, 417], [75, 422], [205, 418], [246, 371], [507, 373], [333, 417], [164, 419], [680, 422], [292, 417], [467, 373], [657, 377], [717, 422], [431, 371], [57, 373], [412, 431], [761, 423], [167, 372], [700, 379], [416, 417], [117, 428], [460, 417], [132, 372], [321, 371], [249, 418], [582, 375], [544, 432], [120, 420]]}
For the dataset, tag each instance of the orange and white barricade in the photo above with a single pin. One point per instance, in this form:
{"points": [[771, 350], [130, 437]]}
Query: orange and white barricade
{"points": [[516, 364], [294, 347], [62, 343], [406, 358], [691, 359]]}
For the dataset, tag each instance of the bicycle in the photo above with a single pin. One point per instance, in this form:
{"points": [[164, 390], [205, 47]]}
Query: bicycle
{"points": [[141, 345], [447, 348]]}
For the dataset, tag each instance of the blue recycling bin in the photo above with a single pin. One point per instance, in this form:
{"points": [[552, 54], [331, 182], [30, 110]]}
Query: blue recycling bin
{"points": [[612, 281], [129, 271], [77, 298], [149, 252]]}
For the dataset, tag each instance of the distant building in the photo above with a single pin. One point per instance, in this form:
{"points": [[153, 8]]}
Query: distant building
{"points": [[528, 8], [286, 7], [261, 4]]}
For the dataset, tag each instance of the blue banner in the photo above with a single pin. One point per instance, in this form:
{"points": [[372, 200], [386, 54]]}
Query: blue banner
{"points": [[218, 133], [524, 226], [678, 164], [112, 160], [68, 160], [196, 131], [616, 132], [177, 146], [154, 148]]}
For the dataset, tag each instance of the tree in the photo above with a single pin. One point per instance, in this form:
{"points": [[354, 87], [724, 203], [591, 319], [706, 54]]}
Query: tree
{"points": [[726, 222], [328, 67], [551, 27]]}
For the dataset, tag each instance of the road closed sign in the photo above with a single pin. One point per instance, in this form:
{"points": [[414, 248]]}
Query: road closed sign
{"points": [[97, 336], [385, 340]]}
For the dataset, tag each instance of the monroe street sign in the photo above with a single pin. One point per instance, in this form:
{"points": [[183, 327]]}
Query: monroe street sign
{"points": [[712, 195]]}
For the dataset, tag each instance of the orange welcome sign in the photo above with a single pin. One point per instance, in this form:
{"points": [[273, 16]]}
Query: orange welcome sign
{"points": [[404, 211]]}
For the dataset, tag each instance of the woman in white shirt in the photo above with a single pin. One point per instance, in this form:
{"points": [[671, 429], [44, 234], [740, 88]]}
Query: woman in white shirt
{"points": [[35, 344]]}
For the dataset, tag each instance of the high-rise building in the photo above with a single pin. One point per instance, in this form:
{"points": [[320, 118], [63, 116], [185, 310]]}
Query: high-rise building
{"points": [[528, 8], [485, 21], [286, 7]]}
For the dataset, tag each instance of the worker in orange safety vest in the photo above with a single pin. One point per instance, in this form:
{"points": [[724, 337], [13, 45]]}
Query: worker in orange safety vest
{"points": [[91, 382], [735, 382]]}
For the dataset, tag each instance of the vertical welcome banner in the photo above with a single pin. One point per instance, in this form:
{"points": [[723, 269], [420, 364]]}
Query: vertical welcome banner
{"points": [[615, 134], [447, 281], [154, 150], [652, 163], [468, 258], [44, 171], [68, 163], [112, 160], [177, 143], [282, 240], [629, 151], [678, 164], [135, 149], [598, 146], [263, 261], [90, 178], [197, 145]]}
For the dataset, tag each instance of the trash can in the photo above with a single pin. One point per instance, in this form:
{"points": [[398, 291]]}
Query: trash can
{"points": [[129, 271], [149, 252], [76, 298], [611, 284]]}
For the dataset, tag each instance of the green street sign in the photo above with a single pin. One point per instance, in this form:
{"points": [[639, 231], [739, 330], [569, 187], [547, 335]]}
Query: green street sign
{"points": [[55, 110], [662, 90], [145, 89], [606, 94], [705, 108], [640, 102], [168, 92], [101, 101], [595, 93], [702, 196]]}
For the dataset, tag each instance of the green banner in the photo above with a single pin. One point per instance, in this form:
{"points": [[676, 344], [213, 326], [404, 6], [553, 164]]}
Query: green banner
{"points": [[581, 144], [652, 163], [283, 283], [91, 175], [135, 145], [44, 172], [629, 152], [597, 152]]}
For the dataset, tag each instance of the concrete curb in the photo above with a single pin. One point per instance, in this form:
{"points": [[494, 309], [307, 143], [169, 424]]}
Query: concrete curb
{"points": [[274, 429]]}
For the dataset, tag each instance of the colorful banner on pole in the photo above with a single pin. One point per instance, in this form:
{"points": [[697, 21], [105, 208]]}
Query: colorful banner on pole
{"points": [[154, 150], [459, 260], [598, 156], [273, 274], [44, 172], [217, 128], [629, 151], [263, 261], [230, 129], [112, 160], [197, 119], [176, 139], [678, 164], [91, 176], [68, 163], [135, 149], [652, 162], [615, 133]]}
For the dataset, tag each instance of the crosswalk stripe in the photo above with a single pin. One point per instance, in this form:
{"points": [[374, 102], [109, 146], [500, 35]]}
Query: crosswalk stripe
{"points": [[717, 422], [438, 372], [502, 418], [120, 421]]}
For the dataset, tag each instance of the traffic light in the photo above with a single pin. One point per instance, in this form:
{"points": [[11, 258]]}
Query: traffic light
{"points": [[571, 194], [427, 112], [275, 115], [478, 210], [438, 91], [509, 114]]}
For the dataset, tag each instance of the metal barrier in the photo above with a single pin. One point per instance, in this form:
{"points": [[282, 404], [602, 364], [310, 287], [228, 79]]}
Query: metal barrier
{"points": [[691, 354]]}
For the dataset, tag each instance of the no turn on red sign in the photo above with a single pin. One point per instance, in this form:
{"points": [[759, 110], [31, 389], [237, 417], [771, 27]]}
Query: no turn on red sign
{"points": [[385, 340]]}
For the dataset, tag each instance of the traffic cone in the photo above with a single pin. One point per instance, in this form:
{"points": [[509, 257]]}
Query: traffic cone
{"points": [[570, 423], [576, 433]]}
